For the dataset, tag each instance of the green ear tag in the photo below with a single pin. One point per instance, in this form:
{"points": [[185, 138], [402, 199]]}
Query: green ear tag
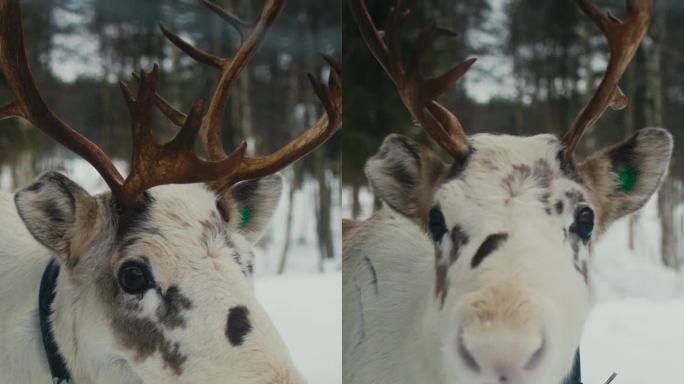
{"points": [[245, 216], [628, 178]]}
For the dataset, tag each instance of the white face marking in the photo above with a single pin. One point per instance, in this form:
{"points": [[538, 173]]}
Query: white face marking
{"points": [[513, 270]]}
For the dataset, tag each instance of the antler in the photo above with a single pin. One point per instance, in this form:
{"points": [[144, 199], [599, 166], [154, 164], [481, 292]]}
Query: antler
{"points": [[624, 37], [153, 163], [28, 103], [418, 93], [230, 68], [174, 162]]}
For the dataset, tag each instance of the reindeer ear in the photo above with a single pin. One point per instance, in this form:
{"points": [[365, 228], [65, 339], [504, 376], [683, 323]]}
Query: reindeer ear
{"points": [[249, 205], [404, 174], [623, 177], [54, 210]]}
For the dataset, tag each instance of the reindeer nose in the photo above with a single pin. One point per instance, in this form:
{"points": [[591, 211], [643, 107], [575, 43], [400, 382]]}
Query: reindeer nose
{"points": [[505, 357]]}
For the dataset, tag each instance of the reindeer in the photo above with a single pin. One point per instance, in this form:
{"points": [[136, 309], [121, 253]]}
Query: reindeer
{"points": [[478, 271], [150, 282]]}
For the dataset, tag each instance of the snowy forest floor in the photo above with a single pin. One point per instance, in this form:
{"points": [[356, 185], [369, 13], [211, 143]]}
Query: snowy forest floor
{"points": [[637, 326]]}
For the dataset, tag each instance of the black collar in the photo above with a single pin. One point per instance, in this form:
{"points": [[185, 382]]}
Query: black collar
{"points": [[58, 369]]}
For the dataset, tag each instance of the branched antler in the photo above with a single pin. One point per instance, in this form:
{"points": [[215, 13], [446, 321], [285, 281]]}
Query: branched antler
{"points": [[28, 103], [174, 162], [230, 68], [624, 37], [153, 163], [418, 93]]}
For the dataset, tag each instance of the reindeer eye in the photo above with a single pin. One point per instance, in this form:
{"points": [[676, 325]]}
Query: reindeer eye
{"points": [[135, 278], [584, 223], [436, 223]]}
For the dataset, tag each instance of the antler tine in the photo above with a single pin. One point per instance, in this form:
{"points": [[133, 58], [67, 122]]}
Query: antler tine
{"points": [[28, 103], [624, 37], [330, 96], [418, 93], [242, 27], [192, 51], [211, 126], [174, 115], [252, 36], [155, 164]]}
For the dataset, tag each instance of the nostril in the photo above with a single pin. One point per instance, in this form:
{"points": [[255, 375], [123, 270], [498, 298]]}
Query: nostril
{"points": [[536, 357], [503, 379], [465, 355]]}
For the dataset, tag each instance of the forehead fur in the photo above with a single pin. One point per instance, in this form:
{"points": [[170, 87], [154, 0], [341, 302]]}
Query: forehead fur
{"points": [[183, 222], [504, 169], [184, 202]]}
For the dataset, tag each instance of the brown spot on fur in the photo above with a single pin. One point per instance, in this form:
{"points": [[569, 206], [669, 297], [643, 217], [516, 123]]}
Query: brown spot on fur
{"points": [[170, 313], [540, 172], [173, 216], [140, 335]]}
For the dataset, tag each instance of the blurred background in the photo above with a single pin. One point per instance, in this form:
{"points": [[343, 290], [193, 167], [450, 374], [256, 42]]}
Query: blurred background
{"points": [[538, 64], [80, 49]]}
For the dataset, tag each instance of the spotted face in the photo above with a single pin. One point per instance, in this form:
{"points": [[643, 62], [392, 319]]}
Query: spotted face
{"points": [[513, 232], [168, 287]]}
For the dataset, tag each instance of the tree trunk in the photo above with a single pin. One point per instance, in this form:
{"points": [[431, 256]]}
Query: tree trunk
{"points": [[653, 114], [668, 240], [325, 238], [630, 129], [356, 204], [288, 231]]}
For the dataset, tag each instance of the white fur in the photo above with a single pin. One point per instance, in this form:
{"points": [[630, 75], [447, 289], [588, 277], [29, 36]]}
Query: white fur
{"points": [[525, 294], [206, 274]]}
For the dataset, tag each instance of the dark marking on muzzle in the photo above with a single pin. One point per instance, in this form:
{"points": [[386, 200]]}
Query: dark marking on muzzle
{"points": [[559, 207], [238, 325], [458, 239], [174, 303], [491, 244], [145, 337], [441, 284]]}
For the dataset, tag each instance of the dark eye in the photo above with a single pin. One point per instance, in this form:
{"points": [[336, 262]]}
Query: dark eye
{"points": [[584, 223], [436, 224], [135, 278]]}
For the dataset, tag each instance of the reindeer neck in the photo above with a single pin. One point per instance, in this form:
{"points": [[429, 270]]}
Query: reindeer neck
{"points": [[403, 258]]}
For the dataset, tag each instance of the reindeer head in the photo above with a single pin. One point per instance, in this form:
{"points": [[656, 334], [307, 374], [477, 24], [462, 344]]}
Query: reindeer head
{"points": [[163, 291], [512, 219], [156, 279]]}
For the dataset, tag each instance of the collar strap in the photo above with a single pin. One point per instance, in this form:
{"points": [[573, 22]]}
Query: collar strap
{"points": [[58, 368]]}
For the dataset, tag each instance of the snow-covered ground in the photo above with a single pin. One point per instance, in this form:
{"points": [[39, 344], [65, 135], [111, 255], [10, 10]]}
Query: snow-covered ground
{"points": [[307, 310], [636, 328]]}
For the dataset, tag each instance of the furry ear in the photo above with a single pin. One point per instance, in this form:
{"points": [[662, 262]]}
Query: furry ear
{"points": [[623, 177], [55, 210], [249, 206], [404, 174]]}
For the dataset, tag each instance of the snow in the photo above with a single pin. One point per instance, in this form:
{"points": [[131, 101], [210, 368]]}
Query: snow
{"points": [[637, 326], [640, 339], [307, 310]]}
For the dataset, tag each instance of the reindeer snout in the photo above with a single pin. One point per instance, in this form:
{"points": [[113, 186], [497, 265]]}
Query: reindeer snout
{"points": [[501, 356], [501, 337]]}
